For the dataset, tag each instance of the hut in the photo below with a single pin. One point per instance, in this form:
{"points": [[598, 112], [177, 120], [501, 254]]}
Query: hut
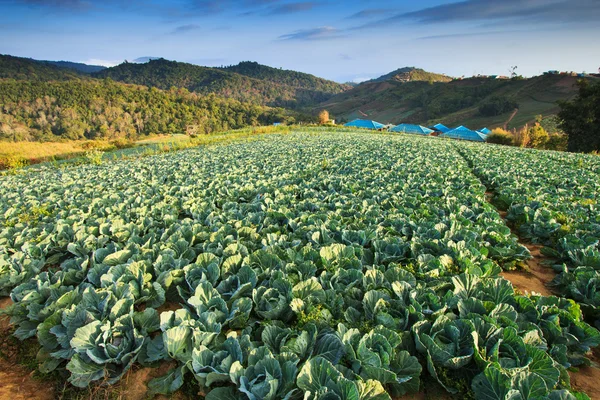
{"points": [[414, 129], [365, 124], [464, 133]]}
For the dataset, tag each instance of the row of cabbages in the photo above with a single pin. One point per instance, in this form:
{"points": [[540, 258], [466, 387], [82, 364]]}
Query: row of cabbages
{"points": [[553, 199], [325, 266]]}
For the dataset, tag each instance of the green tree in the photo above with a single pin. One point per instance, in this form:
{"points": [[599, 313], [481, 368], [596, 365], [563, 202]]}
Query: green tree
{"points": [[580, 118]]}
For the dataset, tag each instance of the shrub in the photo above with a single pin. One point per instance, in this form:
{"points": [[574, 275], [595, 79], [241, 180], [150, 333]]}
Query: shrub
{"points": [[94, 156], [121, 143], [521, 136], [12, 162], [97, 145], [324, 117], [557, 141], [537, 136], [500, 136]]}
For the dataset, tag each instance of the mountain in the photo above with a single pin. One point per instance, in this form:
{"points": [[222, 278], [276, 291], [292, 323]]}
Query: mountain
{"points": [[32, 70], [474, 102], [286, 77], [257, 84], [411, 74], [79, 67]]}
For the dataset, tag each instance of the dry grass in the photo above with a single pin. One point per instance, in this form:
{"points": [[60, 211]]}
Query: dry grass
{"points": [[18, 154], [14, 155]]}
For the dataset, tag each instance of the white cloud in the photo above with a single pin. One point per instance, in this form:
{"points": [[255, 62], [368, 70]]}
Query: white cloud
{"points": [[104, 63]]}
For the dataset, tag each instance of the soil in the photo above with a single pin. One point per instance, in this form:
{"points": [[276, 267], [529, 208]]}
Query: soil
{"points": [[535, 279], [134, 385], [536, 276], [587, 379], [16, 382]]}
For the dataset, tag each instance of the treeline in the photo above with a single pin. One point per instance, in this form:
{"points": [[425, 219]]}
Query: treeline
{"points": [[164, 74], [94, 109]]}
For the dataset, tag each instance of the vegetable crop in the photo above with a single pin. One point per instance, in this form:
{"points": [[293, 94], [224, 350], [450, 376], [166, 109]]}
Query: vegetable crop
{"points": [[552, 198], [309, 265]]}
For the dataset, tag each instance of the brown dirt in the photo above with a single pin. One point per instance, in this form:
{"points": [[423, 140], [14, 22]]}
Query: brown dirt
{"points": [[134, 385], [430, 390], [587, 379], [537, 275], [534, 279], [168, 306], [16, 383]]}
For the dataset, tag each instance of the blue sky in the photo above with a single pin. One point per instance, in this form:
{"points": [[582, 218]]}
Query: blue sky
{"points": [[340, 40]]}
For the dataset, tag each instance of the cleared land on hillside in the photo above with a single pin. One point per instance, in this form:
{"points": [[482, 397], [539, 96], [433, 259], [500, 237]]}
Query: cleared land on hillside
{"points": [[453, 103]]}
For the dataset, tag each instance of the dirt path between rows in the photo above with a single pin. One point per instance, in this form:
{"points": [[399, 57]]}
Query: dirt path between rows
{"points": [[16, 382], [537, 274], [535, 279], [587, 379]]}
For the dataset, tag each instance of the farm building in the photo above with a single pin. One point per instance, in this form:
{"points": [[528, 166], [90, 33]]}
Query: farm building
{"points": [[485, 131], [463, 133], [440, 128], [414, 129], [364, 123]]}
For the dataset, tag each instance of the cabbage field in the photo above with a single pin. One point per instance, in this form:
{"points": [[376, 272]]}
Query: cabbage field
{"points": [[310, 265]]}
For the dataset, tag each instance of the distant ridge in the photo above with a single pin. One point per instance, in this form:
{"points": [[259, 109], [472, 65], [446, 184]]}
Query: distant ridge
{"points": [[80, 67], [33, 70], [246, 81], [410, 95]]}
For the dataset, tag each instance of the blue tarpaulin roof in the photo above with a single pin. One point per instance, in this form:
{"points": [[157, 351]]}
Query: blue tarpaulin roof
{"points": [[409, 128], [464, 133], [485, 131], [440, 128], [363, 123]]}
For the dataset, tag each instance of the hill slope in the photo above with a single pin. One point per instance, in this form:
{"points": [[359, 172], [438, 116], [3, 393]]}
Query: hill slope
{"points": [[453, 103], [93, 109], [286, 77], [26, 68], [79, 67], [271, 89]]}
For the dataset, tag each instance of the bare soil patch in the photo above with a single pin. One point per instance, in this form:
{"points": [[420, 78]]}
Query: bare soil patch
{"points": [[587, 379], [16, 382], [536, 276], [134, 385]]}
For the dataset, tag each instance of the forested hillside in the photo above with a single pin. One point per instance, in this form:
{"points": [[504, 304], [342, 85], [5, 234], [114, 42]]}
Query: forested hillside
{"points": [[165, 74], [80, 67], [93, 109], [26, 68], [286, 77]]}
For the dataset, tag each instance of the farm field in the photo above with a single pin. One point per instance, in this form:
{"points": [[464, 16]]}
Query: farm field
{"points": [[313, 264]]}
